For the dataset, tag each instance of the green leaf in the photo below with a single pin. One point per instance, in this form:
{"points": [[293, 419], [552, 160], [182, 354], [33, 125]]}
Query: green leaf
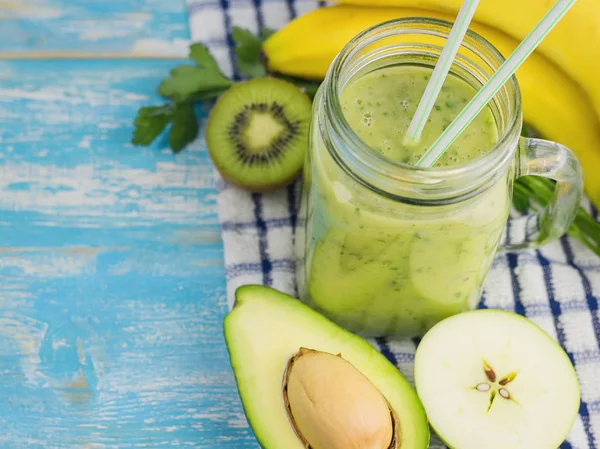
{"points": [[187, 80], [266, 33], [184, 129], [247, 52], [207, 95], [310, 87], [203, 80], [528, 131], [150, 122], [200, 54], [520, 197]]}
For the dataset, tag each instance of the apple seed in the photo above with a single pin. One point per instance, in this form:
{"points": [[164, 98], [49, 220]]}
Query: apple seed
{"points": [[504, 393], [489, 372], [508, 378]]}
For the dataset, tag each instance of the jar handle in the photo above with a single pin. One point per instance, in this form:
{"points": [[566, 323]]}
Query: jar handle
{"points": [[551, 160]]}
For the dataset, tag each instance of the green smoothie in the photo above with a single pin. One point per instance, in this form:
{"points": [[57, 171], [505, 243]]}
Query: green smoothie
{"points": [[383, 267], [380, 105]]}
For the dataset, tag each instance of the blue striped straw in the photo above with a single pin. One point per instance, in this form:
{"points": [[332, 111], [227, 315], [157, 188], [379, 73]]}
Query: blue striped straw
{"points": [[460, 27]]}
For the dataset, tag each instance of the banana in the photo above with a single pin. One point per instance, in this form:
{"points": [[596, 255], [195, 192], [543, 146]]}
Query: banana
{"points": [[552, 103], [573, 45]]}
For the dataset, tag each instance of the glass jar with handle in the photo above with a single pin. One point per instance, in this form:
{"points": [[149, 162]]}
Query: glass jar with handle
{"points": [[385, 248]]}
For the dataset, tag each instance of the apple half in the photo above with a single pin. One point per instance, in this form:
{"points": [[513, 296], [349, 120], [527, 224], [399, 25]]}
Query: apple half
{"points": [[495, 380]]}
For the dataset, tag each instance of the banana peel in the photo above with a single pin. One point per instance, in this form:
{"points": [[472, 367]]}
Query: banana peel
{"points": [[553, 104]]}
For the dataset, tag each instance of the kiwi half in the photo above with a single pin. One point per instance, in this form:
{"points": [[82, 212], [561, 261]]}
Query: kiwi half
{"points": [[257, 133]]}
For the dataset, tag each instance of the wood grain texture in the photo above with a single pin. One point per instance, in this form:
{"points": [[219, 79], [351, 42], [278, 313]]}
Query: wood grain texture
{"points": [[108, 28], [112, 288]]}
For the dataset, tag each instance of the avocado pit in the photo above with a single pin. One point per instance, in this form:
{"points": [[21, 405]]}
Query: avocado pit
{"points": [[332, 405]]}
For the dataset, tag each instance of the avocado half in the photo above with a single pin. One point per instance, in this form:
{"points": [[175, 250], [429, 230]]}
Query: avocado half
{"points": [[267, 330]]}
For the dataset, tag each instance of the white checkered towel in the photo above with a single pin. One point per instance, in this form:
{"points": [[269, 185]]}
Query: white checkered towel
{"points": [[557, 286]]}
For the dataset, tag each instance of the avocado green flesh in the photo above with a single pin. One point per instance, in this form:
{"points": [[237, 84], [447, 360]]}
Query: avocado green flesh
{"points": [[266, 327]]}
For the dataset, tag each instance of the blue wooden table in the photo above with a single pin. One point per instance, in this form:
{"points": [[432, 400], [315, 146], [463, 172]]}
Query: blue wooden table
{"points": [[112, 287]]}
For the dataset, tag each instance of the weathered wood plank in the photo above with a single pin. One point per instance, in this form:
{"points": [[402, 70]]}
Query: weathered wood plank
{"points": [[112, 288], [108, 28]]}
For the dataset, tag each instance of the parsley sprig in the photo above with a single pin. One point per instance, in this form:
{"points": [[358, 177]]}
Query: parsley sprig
{"points": [[185, 86]]}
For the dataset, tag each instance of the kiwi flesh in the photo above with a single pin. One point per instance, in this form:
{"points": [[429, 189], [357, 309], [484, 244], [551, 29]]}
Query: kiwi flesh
{"points": [[257, 133]]}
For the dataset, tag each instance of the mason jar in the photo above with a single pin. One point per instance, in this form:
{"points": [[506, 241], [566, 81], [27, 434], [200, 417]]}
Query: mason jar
{"points": [[385, 248]]}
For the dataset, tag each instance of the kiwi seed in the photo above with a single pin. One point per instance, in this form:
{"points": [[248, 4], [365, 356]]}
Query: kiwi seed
{"points": [[257, 133]]}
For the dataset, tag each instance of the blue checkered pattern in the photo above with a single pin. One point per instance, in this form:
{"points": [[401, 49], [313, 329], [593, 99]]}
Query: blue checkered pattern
{"points": [[557, 286]]}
